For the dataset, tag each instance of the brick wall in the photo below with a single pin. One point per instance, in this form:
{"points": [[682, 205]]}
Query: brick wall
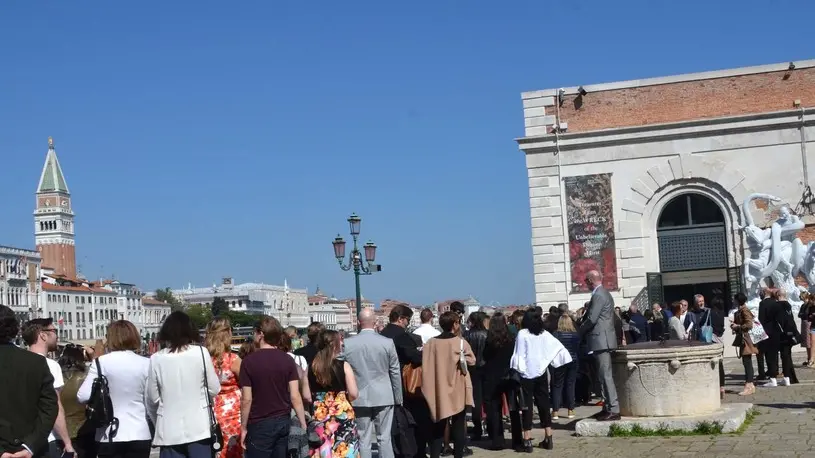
{"points": [[673, 102]]}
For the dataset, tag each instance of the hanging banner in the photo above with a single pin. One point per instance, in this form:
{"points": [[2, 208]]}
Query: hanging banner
{"points": [[590, 221]]}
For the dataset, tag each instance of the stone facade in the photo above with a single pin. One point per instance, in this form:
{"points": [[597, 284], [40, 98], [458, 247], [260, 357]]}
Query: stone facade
{"points": [[20, 282], [722, 135]]}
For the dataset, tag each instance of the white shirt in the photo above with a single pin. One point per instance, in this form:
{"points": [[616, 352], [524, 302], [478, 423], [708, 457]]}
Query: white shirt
{"points": [[534, 353], [426, 331], [59, 382], [126, 373], [177, 395], [299, 360]]}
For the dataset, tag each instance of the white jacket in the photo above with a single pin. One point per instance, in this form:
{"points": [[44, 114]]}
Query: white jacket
{"points": [[126, 373], [177, 395]]}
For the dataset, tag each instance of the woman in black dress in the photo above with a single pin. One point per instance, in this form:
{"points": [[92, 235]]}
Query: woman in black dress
{"points": [[498, 383]]}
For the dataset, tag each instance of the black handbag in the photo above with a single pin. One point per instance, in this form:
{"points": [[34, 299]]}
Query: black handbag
{"points": [[216, 436]]}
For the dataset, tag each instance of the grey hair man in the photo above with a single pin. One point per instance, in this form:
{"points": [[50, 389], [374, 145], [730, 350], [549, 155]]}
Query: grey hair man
{"points": [[598, 329], [376, 367]]}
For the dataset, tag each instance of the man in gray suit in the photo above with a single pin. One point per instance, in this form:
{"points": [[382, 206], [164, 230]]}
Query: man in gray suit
{"points": [[379, 379], [598, 330]]}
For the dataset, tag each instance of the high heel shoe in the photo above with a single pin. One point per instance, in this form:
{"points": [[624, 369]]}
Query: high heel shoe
{"points": [[749, 389], [547, 443]]}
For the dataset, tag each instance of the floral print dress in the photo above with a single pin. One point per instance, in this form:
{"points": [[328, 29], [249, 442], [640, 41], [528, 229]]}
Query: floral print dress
{"points": [[336, 422], [227, 407]]}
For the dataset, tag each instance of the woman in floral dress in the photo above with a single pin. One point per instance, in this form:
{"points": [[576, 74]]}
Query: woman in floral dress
{"points": [[332, 387], [227, 404]]}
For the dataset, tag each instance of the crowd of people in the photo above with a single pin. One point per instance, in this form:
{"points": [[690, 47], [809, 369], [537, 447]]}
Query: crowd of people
{"points": [[402, 393]]}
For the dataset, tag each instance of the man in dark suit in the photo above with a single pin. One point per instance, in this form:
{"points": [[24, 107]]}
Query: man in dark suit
{"points": [[28, 402], [598, 330], [407, 350]]}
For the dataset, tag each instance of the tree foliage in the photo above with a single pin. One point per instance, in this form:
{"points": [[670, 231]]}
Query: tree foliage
{"points": [[219, 307], [200, 315], [166, 295]]}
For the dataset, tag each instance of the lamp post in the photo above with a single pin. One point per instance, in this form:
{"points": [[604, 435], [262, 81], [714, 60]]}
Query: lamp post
{"points": [[355, 259]]}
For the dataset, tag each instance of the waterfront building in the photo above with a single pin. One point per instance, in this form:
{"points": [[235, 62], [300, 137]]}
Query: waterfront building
{"points": [[20, 282], [289, 305]]}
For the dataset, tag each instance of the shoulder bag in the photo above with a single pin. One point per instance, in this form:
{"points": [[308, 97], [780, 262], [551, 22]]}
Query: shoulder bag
{"points": [[706, 330], [462, 361], [99, 410], [215, 433]]}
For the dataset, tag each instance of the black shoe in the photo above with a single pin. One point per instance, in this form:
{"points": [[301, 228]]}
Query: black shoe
{"points": [[447, 451], [599, 414], [494, 447], [547, 443], [526, 447], [467, 451], [609, 416]]}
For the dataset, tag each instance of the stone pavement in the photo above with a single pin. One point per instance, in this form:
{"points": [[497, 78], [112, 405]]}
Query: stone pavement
{"points": [[785, 427]]}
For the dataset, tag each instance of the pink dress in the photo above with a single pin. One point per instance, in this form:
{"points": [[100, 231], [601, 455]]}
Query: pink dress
{"points": [[227, 407]]}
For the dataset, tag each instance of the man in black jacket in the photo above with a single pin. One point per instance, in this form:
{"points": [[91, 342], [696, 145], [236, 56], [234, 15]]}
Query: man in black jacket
{"points": [[407, 349], [309, 351], [28, 402]]}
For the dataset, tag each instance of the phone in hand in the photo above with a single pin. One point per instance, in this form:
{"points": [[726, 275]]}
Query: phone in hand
{"points": [[67, 455]]}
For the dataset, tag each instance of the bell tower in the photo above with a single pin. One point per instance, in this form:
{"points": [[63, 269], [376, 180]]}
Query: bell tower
{"points": [[54, 218]]}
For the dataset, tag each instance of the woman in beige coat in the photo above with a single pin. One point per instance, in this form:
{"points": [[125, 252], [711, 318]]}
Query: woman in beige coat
{"points": [[742, 324], [446, 384]]}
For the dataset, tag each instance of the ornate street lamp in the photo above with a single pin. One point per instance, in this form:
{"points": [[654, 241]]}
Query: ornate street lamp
{"points": [[355, 260]]}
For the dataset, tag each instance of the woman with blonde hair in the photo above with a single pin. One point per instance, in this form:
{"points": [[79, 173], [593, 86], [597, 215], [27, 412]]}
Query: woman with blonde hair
{"points": [[227, 404], [564, 378]]}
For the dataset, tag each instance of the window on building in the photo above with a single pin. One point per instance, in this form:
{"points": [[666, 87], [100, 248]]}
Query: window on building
{"points": [[70, 315]]}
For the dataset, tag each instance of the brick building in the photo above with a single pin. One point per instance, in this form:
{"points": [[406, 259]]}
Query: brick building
{"points": [[54, 218], [645, 180]]}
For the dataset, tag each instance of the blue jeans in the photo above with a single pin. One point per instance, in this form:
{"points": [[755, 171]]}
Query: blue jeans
{"points": [[564, 379], [200, 449], [268, 438]]}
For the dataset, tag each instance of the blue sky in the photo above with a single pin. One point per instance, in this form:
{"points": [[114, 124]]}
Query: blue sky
{"points": [[201, 140]]}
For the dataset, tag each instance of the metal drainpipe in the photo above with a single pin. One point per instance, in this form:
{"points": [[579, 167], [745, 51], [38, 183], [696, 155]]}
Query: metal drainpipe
{"points": [[804, 149], [563, 216]]}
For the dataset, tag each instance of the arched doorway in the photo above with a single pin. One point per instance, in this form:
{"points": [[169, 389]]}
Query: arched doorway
{"points": [[692, 240]]}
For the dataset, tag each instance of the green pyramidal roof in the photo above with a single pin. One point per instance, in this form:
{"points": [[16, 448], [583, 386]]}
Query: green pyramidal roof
{"points": [[52, 179]]}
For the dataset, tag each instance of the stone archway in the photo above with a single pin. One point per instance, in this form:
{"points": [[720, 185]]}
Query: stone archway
{"points": [[651, 191]]}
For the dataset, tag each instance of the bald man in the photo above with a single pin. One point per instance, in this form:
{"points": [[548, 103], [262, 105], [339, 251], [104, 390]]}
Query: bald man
{"points": [[379, 379], [601, 339]]}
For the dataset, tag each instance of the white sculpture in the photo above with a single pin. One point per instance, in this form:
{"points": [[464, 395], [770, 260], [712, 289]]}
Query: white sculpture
{"points": [[775, 253]]}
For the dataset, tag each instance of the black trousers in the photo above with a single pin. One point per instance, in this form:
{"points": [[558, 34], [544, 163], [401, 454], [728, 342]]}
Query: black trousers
{"points": [[458, 433], [131, 449], [762, 373], [536, 391], [417, 406], [495, 424], [477, 377], [564, 379], [786, 361], [747, 362]]}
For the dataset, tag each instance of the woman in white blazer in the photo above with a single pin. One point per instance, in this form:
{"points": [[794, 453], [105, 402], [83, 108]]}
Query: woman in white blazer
{"points": [[126, 373], [180, 379]]}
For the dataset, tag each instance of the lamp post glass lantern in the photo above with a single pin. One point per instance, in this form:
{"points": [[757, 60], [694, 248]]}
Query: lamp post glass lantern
{"points": [[355, 259]]}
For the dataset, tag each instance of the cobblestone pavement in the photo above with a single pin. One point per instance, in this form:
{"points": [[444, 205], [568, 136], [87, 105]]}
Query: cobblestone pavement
{"points": [[785, 427]]}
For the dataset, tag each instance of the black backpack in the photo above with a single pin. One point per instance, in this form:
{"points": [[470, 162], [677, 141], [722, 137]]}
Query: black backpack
{"points": [[99, 411]]}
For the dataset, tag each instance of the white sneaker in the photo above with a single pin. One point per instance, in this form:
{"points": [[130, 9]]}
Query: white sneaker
{"points": [[773, 382], [785, 382]]}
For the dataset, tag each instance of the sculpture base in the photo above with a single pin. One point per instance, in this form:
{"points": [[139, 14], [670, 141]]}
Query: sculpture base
{"points": [[730, 416]]}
